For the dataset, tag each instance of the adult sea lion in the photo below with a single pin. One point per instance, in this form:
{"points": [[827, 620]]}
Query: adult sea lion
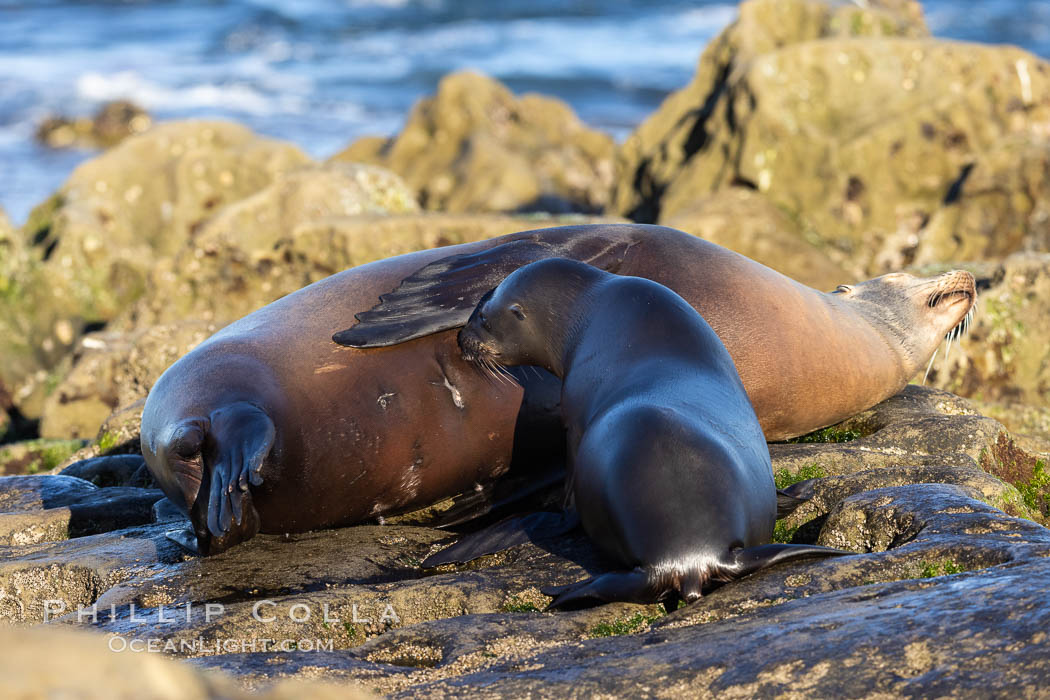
{"points": [[268, 421], [669, 470]]}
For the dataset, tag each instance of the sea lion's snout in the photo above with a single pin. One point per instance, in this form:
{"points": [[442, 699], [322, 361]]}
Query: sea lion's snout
{"points": [[954, 302], [953, 288], [471, 346]]}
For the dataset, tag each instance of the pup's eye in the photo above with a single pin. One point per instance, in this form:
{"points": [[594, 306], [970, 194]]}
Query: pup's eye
{"points": [[518, 312], [484, 321], [842, 288]]}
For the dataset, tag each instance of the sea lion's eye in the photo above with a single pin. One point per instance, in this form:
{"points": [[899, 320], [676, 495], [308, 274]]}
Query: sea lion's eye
{"points": [[484, 321], [842, 288], [518, 312]]}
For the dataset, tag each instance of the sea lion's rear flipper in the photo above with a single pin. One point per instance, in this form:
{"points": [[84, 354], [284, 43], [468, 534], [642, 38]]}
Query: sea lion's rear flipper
{"points": [[504, 535], [751, 559], [242, 436], [787, 503], [443, 294], [632, 586]]}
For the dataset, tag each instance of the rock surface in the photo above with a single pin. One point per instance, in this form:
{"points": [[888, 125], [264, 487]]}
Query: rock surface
{"points": [[476, 147], [36, 456], [747, 222], [111, 370], [225, 273], [1004, 362], [944, 584], [111, 124], [85, 254], [872, 143], [53, 663]]}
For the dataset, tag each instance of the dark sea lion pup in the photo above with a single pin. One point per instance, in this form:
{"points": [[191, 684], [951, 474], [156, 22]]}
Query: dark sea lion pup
{"points": [[670, 472]]}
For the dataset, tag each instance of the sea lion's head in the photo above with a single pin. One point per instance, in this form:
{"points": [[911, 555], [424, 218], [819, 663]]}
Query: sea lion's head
{"points": [[523, 320], [179, 462], [205, 446], [915, 313]]}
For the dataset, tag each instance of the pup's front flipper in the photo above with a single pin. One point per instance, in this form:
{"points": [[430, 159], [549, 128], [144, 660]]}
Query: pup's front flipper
{"points": [[504, 535], [242, 436]]}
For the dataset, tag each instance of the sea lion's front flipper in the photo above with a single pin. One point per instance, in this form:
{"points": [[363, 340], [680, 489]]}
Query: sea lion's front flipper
{"points": [[439, 296], [616, 586], [443, 294], [751, 559], [242, 436], [504, 535]]}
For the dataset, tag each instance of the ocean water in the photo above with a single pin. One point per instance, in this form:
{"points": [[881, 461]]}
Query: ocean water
{"points": [[322, 73]]}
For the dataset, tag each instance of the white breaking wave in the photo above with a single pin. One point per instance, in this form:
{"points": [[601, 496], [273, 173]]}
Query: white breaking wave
{"points": [[234, 97]]}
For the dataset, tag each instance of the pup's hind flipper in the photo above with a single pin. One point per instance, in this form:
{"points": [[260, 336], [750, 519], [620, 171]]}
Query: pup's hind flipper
{"points": [[504, 535], [616, 586], [751, 559]]}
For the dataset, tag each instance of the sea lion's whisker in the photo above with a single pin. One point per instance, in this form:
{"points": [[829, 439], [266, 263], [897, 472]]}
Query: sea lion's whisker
{"points": [[499, 371], [930, 365]]}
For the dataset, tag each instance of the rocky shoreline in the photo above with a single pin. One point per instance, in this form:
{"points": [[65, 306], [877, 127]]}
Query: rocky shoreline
{"points": [[829, 141]]}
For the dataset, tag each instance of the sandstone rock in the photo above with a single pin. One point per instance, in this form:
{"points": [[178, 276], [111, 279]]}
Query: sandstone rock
{"points": [[36, 456], [910, 492], [1004, 358], [476, 147], [226, 273], [310, 197], [653, 156], [948, 542], [747, 222], [870, 144], [48, 508], [112, 123], [49, 662], [111, 369], [1029, 424], [119, 435], [967, 636], [76, 572], [88, 249]]}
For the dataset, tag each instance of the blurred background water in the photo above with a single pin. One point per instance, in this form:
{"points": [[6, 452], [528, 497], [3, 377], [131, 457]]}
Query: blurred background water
{"points": [[322, 73]]}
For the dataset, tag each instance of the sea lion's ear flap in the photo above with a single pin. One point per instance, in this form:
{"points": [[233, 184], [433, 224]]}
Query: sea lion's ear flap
{"points": [[243, 436], [439, 296], [749, 560]]}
